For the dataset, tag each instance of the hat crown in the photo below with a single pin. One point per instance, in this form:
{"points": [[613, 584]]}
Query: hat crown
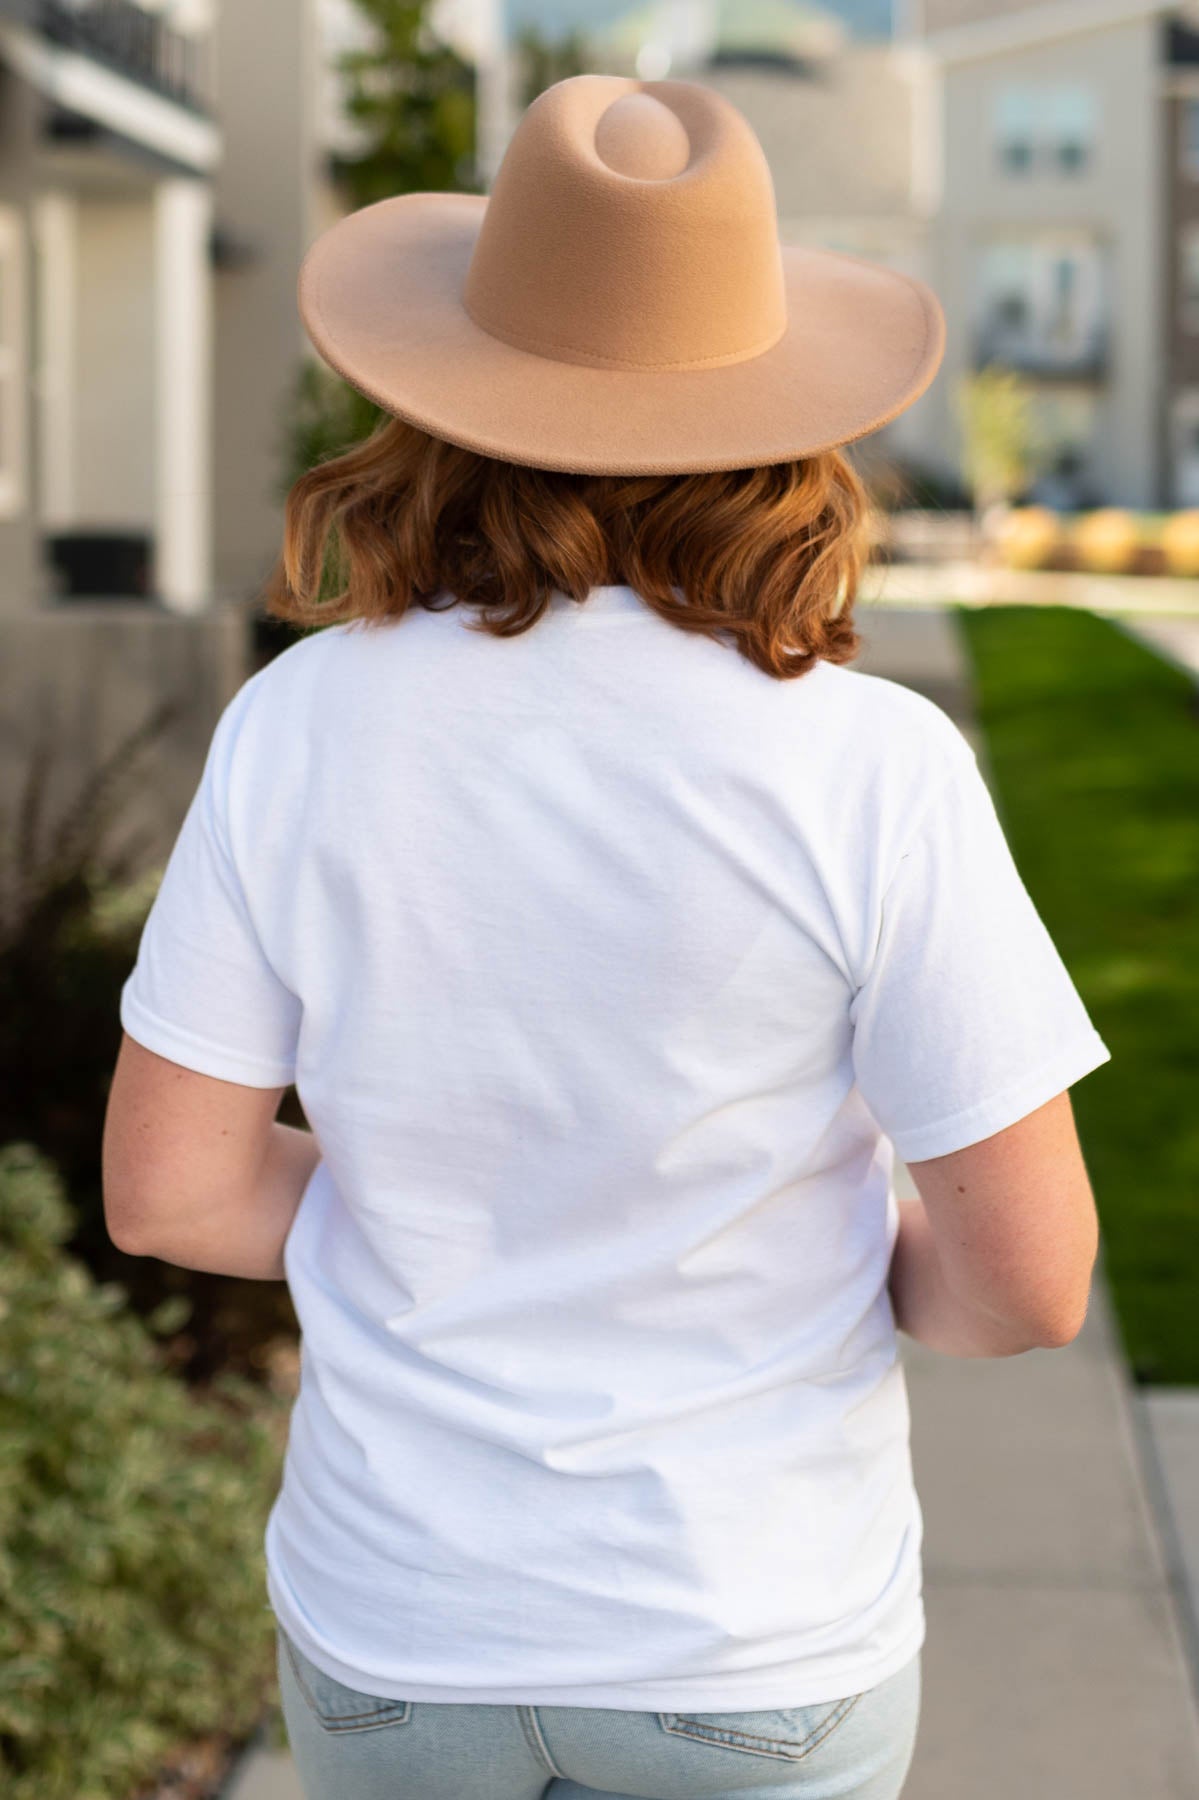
{"points": [[639, 137], [631, 225]]}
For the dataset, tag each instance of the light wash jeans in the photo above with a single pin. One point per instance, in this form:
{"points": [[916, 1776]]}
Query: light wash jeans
{"points": [[353, 1746]]}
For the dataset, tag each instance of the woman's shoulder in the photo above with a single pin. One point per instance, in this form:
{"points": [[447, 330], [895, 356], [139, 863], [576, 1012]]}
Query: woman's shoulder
{"points": [[306, 652], [885, 715], [304, 664], [280, 700]]}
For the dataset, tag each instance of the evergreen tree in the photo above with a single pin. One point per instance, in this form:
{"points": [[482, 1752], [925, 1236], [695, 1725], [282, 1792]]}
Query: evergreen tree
{"points": [[413, 98], [540, 62]]}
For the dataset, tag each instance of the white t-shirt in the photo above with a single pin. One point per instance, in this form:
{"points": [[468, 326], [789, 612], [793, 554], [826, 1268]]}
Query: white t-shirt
{"points": [[602, 962]]}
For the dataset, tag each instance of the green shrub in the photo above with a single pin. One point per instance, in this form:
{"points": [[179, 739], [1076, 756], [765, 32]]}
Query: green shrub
{"points": [[132, 1599]]}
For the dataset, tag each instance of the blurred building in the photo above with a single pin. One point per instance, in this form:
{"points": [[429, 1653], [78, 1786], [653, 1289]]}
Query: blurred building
{"points": [[163, 168], [108, 147], [1066, 244], [1036, 160]]}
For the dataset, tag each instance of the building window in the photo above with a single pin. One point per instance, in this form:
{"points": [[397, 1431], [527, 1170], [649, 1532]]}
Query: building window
{"points": [[1042, 304], [1015, 129], [1188, 279], [1070, 117], [1046, 127], [1189, 138], [12, 365]]}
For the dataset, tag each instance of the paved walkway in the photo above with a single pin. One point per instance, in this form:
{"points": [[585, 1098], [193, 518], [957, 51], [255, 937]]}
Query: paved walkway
{"points": [[1177, 639], [1056, 1660], [989, 584]]}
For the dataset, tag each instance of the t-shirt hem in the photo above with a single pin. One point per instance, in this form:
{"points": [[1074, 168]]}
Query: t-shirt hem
{"points": [[180, 1046], [724, 1692], [1035, 1087]]}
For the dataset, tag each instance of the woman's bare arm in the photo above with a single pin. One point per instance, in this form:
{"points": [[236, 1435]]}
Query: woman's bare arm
{"points": [[926, 1307], [996, 1256]]}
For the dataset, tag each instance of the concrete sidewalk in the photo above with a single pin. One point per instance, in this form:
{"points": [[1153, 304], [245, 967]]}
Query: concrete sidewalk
{"points": [[1055, 1665], [979, 583], [1175, 639]]}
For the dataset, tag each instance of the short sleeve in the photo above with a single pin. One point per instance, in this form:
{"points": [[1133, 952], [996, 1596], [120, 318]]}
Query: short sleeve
{"points": [[202, 991], [967, 1019]]}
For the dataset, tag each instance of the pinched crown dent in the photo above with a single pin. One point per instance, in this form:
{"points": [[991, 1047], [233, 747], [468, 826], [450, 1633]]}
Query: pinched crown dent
{"points": [[640, 137]]}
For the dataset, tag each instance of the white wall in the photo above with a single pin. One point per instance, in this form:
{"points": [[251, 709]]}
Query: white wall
{"points": [[340, 27], [268, 192], [114, 397]]}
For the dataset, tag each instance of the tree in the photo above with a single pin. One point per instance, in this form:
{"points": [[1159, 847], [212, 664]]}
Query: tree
{"points": [[413, 99], [1000, 442], [540, 61]]}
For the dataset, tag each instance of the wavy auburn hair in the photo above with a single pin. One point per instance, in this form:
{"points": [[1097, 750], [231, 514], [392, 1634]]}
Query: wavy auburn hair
{"points": [[770, 556]]}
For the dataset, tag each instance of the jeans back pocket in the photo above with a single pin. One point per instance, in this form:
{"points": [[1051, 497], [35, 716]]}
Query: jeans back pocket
{"points": [[335, 1706], [788, 1733]]}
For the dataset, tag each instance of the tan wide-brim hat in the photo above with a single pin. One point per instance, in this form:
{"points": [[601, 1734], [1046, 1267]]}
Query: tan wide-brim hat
{"points": [[621, 302]]}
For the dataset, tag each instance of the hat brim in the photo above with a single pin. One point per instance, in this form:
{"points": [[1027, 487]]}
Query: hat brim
{"points": [[380, 295]]}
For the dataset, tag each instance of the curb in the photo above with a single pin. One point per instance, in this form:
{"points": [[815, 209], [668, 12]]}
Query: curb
{"points": [[1163, 1486], [1163, 642], [1154, 1491]]}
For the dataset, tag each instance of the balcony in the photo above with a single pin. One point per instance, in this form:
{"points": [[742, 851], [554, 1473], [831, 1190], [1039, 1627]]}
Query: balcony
{"points": [[131, 42]]}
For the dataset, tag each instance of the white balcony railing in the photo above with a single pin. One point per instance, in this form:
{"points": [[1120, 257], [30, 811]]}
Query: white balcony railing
{"points": [[128, 39], [1084, 356]]}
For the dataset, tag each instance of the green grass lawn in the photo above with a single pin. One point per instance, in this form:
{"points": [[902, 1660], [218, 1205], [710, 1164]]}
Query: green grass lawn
{"points": [[1093, 744]]}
